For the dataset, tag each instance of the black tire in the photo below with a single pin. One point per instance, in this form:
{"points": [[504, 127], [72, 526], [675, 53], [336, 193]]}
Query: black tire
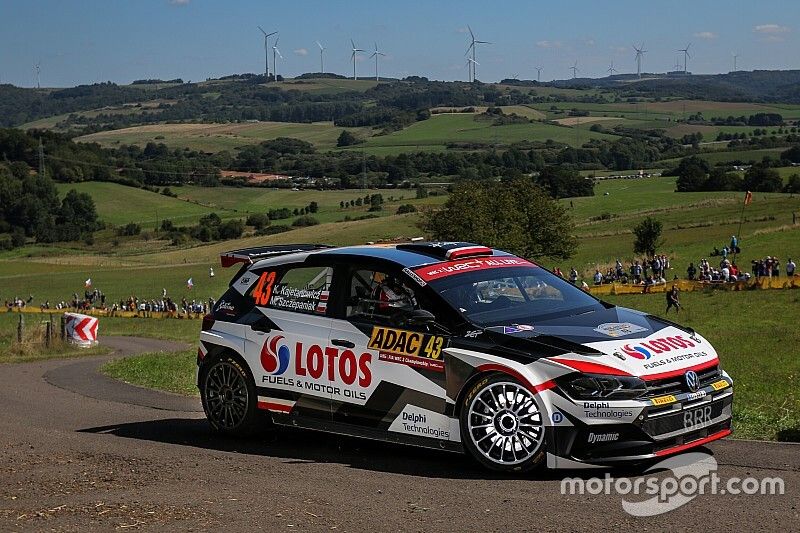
{"points": [[504, 435], [229, 397]]}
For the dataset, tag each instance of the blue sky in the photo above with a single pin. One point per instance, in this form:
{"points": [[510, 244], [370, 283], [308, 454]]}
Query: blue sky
{"points": [[88, 41]]}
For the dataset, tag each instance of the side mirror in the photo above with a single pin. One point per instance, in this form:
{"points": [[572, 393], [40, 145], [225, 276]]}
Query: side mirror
{"points": [[420, 317]]}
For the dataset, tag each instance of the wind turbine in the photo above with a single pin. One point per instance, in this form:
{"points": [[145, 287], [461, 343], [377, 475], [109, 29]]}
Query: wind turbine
{"points": [[353, 58], [639, 53], [321, 59], [266, 50], [611, 69], [38, 68], [686, 55], [275, 52], [472, 47], [375, 54], [574, 69], [735, 57], [538, 74], [470, 62]]}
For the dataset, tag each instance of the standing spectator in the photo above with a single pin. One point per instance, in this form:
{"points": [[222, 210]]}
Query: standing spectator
{"points": [[598, 277], [691, 272], [734, 244], [636, 271], [573, 276], [790, 267], [672, 300]]}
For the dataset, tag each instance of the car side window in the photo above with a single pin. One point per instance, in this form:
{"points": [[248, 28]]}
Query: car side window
{"points": [[379, 297], [298, 289]]}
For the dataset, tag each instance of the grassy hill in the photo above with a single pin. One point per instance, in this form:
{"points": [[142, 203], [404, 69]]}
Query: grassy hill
{"points": [[218, 137], [437, 131], [118, 204]]}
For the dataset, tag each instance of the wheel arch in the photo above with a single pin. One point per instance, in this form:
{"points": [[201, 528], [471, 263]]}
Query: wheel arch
{"points": [[489, 369]]}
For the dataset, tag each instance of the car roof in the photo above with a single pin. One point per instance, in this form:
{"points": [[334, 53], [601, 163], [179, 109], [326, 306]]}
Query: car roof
{"points": [[402, 254]]}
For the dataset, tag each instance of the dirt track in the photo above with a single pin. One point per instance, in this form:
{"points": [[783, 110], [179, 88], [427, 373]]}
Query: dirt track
{"points": [[74, 458]]}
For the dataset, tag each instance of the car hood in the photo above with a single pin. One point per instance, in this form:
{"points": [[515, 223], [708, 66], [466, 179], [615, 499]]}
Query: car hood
{"points": [[616, 340]]}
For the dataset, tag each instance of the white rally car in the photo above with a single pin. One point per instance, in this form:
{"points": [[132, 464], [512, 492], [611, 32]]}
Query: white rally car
{"points": [[453, 346]]}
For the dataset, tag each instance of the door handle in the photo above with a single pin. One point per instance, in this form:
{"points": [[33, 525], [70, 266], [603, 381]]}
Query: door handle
{"points": [[344, 343]]}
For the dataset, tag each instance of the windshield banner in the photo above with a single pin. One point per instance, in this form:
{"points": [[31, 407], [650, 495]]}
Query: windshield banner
{"points": [[449, 268]]}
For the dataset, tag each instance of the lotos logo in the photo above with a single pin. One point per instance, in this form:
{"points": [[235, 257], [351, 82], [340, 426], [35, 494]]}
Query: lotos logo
{"points": [[274, 358], [646, 350]]}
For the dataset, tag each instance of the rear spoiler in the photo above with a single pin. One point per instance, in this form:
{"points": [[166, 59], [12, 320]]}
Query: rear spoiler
{"points": [[251, 255]]}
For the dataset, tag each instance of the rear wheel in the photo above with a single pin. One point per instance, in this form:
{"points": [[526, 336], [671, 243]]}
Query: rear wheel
{"points": [[502, 425], [229, 397]]}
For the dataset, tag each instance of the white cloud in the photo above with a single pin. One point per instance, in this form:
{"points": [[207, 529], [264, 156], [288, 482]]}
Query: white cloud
{"points": [[707, 35], [301, 52], [771, 28], [462, 30], [589, 42], [548, 44], [179, 2]]}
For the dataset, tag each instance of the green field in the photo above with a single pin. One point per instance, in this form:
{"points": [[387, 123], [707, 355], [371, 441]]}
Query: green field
{"points": [[441, 129], [219, 137], [727, 156], [118, 204], [693, 223]]}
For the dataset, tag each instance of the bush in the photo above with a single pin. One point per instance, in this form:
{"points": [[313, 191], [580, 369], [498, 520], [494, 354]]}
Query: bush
{"points": [[232, 229], [272, 230], [762, 179], [305, 221], [258, 221], [347, 139], [178, 238], [793, 185], [406, 208], [129, 229]]}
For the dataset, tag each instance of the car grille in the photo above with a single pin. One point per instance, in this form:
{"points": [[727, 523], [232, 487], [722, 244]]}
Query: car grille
{"points": [[677, 385]]}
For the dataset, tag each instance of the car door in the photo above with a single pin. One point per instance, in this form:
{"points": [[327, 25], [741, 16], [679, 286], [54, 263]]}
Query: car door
{"points": [[287, 348], [405, 387]]}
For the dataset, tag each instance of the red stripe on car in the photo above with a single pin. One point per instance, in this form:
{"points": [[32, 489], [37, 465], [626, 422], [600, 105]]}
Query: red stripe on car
{"points": [[675, 449], [522, 379], [591, 368], [275, 407]]}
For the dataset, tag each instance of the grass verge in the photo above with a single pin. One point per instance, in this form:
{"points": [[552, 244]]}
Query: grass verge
{"points": [[173, 372]]}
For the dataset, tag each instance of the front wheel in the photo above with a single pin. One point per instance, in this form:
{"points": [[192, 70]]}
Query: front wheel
{"points": [[502, 425], [229, 397]]}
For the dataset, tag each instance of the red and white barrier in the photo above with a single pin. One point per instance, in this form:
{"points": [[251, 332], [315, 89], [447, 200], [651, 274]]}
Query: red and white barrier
{"points": [[81, 329]]}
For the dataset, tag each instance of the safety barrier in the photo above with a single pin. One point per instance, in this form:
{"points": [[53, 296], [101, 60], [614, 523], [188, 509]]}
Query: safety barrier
{"points": [[686, 285], [106, 312]]}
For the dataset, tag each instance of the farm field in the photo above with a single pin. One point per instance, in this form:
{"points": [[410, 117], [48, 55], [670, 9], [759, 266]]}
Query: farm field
{"points": [[119, 204], [463, 128], [726, 156], [218, 137]]}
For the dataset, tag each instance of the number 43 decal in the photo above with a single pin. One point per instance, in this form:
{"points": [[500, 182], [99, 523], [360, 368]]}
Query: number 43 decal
{"points": [[263, 289]]}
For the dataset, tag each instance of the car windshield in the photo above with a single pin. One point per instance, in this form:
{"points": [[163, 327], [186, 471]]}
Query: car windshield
{"points": [[520, 295]]}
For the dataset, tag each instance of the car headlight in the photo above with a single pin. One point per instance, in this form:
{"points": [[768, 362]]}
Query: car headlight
{"points": [[602, 387]]}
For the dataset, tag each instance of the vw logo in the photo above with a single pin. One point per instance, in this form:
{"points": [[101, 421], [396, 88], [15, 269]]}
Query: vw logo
{"points": [[692, 380]]}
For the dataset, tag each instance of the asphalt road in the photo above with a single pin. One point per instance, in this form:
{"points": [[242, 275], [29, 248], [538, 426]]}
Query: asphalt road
{"points": [[80, 451]]}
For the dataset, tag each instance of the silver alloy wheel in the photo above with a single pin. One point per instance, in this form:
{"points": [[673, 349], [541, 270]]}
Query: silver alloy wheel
{"points": [[226, 395], [505, 423]]}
